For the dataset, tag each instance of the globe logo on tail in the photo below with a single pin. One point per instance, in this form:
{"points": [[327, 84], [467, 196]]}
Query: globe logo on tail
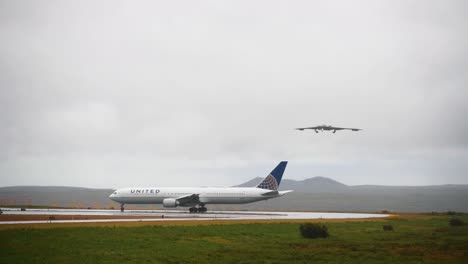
{"points": [[269, 183]]}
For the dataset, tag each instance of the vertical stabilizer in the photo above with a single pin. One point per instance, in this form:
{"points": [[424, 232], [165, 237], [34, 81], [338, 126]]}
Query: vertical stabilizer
{"points": [[273, 180]]}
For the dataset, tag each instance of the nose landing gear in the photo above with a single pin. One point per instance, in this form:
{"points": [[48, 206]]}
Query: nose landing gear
{"points": [[122, 208]]}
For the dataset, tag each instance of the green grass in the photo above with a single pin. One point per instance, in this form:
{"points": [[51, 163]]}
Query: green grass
{"points": [[429, 240]]}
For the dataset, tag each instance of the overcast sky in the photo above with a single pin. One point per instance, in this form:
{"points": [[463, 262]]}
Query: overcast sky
{"points": [[208, 93]]}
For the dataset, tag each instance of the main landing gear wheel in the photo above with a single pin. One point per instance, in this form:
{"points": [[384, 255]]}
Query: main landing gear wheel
{"points": [[201, 209], [122, 208]]}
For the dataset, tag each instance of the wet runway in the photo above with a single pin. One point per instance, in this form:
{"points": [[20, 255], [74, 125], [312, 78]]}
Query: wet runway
{"points": [[175, 215]]}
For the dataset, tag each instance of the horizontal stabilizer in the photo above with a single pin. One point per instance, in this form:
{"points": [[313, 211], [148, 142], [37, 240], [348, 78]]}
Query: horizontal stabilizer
{"points": [[270, 193], [276, 193], [285, 192]]}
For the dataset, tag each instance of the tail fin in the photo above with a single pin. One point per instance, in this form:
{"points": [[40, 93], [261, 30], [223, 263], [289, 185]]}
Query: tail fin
{"points": [[273, 180]]}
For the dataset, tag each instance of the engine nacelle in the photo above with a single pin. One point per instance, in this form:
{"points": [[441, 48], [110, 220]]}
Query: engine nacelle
{"points": [[170, 202]]}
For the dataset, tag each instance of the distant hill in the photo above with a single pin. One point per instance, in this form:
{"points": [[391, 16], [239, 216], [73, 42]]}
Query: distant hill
{"points": [[313, 194], [60, 196], [315, 185]]}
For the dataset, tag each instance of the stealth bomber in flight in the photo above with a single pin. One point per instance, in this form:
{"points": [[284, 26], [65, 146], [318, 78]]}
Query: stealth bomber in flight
{"points": [[327, 128]]}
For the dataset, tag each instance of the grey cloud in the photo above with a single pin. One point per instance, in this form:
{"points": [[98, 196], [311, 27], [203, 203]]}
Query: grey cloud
{"points": [[122, 87]]}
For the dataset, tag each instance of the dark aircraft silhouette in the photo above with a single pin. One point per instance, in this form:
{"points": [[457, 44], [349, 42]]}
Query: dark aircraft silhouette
{"points": [[327, 128]]}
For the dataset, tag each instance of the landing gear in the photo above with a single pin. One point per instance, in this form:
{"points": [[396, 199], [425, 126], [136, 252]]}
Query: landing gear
{"points": [[122, 207], [201, 209]]}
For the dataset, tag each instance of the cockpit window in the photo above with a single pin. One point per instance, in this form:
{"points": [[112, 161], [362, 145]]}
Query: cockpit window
{"points": [[115, 193]]}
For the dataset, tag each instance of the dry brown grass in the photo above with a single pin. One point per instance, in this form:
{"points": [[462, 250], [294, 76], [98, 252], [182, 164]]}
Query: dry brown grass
{"points": [[24, 217], [432, 253], [411, 216]]}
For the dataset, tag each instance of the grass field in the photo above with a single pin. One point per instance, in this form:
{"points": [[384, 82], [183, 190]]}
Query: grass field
{"points": [[422, 239]]}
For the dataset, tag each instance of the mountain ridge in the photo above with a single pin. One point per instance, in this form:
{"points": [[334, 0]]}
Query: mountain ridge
{"points": [[312, 194]]}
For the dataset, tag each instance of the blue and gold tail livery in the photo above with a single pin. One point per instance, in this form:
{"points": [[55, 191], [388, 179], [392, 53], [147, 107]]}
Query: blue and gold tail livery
{"points": [[273, 180]]}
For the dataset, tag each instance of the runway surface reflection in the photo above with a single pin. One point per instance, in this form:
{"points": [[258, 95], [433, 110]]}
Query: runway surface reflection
{"points": [[176, 215]]}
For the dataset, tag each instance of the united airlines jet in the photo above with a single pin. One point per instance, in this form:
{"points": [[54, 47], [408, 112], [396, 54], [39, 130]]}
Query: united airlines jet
{"points": [[197, 198]]}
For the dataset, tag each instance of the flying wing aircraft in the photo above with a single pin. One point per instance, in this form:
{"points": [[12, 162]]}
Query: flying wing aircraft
{"points": [[327, 128], [197, 198]]}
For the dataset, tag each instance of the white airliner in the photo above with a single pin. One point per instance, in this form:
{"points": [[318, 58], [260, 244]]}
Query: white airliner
{"points": [[197, 198]]}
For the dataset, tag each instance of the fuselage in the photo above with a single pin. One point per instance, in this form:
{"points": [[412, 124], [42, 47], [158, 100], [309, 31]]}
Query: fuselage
{"points": [[197, 198], [156, 195]]}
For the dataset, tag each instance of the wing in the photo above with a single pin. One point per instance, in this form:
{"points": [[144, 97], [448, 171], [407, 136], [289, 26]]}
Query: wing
{"points": [[190, 199], [302, 128], [346, 128]]}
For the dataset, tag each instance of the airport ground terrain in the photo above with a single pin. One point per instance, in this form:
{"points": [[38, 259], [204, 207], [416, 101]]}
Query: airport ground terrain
{"points": [[415, 239]]}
